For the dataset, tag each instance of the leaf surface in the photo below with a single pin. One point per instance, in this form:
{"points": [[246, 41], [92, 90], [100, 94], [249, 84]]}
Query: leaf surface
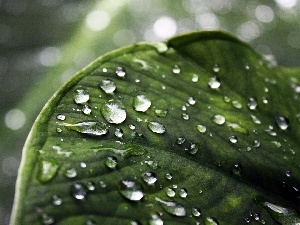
{"points": [[198, 130]]}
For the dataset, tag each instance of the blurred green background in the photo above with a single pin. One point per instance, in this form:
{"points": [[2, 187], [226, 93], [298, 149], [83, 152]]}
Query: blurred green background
{"points": [[43, 43]]}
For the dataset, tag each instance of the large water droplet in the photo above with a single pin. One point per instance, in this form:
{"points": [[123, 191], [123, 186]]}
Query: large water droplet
{"points": [[288, 173], [282, 122], [214, 83], [130, 190], [210, 221], [111, 162], [91, 128], [156, 127], [81, 96], [48, 170], [238, 128], [172, 208], [141, 103], [56, 200], [218, 119], [78, 191], [149, 177], [120, 71], [113, 111], [252, 103], [176, 69], [108, 86], [201, 128]]}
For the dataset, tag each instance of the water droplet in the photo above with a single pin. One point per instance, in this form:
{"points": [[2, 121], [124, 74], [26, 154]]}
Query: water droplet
{"points": [[130, 190], [102, 184], [191, 101], [168, 176], [131, 126], [81, 96], [83, 165], [149, 177], [214, 83], [71, 173], [201, 128], [108, 86], [210, 221], [78, 191], [47, 220], [155, 220], [216, 68], [183, 193], [252, 103], [172, 208], [141, 103], [233, 139], [56, 200], [256, 143], [180, 140], [298, 117], [111, 162], [236, 104], [113, 111], [48, 170], [176, 69], [238, 128], [193, 148], [58, 130], [195, 78], [265, 100], [282, 122], [86, 110], [90, 222], [119, 133], [196, 212], [156, 127], [255, 119], [218, 119], [185, 116], [170, 192], [160, 112], [271, 132], [288, 173], [226, 99], [61, 117], [120, 71], [91, 186], [237, 169], [91, 128]]}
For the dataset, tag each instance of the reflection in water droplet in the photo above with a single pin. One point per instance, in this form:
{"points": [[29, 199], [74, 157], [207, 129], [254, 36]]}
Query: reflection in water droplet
{"points": [[214, 83], [156, 127], [130, 190], [48, 170], [61, 117], [81, 96], [210, 221], [282, 122], [120, 71], [86, 110], [233, 139], [176, 69], [201, 128], [170, 192], [196, 212], [56, 200], [141, 103], [71, 173], [172, 208], [149, 177], [108, 86], [91, 128], [252, 103], [111, 162], [78, 191], [218, 119], [113, 111], [47, 220]]}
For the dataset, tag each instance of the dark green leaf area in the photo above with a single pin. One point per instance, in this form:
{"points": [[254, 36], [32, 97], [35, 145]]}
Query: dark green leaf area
{"points": [[202, 130]]}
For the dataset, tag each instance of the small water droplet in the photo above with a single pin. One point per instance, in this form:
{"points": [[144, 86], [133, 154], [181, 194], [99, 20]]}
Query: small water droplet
{"points": [[56, 200], [233, 139], [288, 173], [119, 133], [237, 169], [131, 126], [168, 176], [102, 184], [218, 119], [90, 222], [195, 78], [61, 117], [111, 162], [210, 221], [176, 69], [48, 170], [236, 104], [91, 128], [78, 191], [120, 71], [149, 177], [91, 186], [141, 103], [47, 220], [282, 122], [216, 68], [81, 96], [71, 173], [180, 140], [155, 220], [214, 83], [191, 101], [201, 128], [193, 148], [156, 127], [265, 100], [83, 165], [172, 208], [237, 128], [86, 110], [185, 116], [113, 111], [252, 103], [160, 112], [196, 212], [130, 190], [256, 143], [183, 193], [170, 192], [108, 86], [255, 119]]}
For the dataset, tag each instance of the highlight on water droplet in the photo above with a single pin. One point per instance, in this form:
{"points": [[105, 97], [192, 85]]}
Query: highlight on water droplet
{"points": [[172, 208], [108, 86], [93, 128], [141, 103], [78, 191], [156, 127], [131, 190], [282, 122], [114, 111], [47, 171], [236, 104], [149, 177], [214, 83], [120, 71], [218, 119], [111, 162], [81, 96]]}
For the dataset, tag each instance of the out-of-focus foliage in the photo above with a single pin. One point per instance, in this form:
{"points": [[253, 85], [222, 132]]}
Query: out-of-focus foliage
{"points": [[47, 41]]}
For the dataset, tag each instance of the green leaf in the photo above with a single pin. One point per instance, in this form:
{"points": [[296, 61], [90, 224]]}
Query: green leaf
{"points": [[198, 130]]}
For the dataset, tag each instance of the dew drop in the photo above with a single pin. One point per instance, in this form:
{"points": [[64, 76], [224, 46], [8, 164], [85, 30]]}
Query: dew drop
{"points": [[78, 191], [91, 186], [119, 133], [218, 119], [183, 193], [86, 110], [191, 101], [176, 69], [168, 176], [238, 128], [185, 116], [233, 139], [195, 78], [61, 117], [201, 128], [255, 119], [71, 173], [56, 200], [196, 212], [210, 221], [237, 169], [214, 83], [155, 220], [108, 86], [111, 162], [256, 143], [252, 103], [180, 140], [288, 173], [170, 192], [149, 177], [120, 71], [216, 68], [91, 128], [130, 190], [47, 220], [236, 104], [160, 112], [141, 103], [113, 111], [156, 127], [172, 208], [90, 222], [193, 148], [81, 96], [83, 165], [48, 170], [282, 122]]}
